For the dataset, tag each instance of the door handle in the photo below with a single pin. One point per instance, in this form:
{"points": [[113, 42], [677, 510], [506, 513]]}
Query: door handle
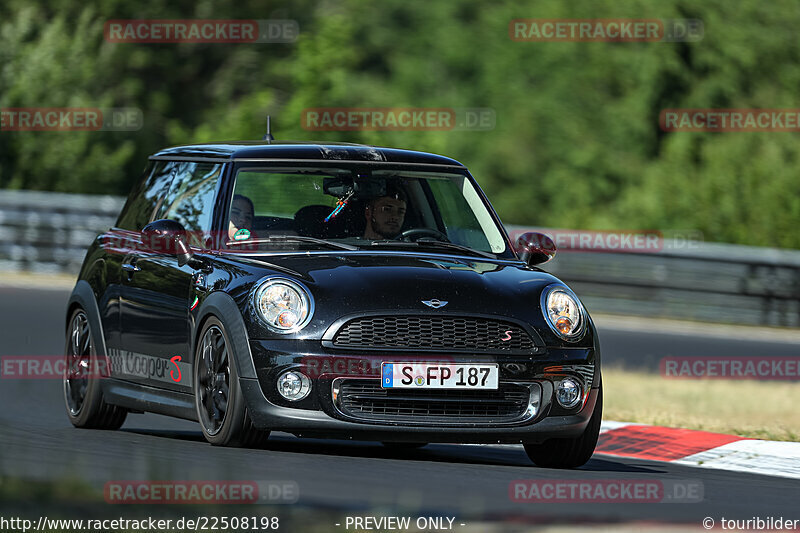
{"points": [[130, 267]]}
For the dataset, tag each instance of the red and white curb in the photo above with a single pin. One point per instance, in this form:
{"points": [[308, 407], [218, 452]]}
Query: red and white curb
{"points": [[699, 449]]}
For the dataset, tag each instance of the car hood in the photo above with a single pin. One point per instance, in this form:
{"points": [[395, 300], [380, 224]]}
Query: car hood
{"points": [[345, 284]]}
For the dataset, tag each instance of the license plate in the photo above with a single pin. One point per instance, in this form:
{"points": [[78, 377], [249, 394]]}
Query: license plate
{"points": [[439, 376]]}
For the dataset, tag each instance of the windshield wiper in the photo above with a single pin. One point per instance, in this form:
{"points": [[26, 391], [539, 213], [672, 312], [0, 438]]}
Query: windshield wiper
{"points": [[435, 244], [296, 238]]}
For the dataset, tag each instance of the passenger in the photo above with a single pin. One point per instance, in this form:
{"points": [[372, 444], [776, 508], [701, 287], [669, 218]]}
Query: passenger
{"points": [[385, 215], [242, 213]]}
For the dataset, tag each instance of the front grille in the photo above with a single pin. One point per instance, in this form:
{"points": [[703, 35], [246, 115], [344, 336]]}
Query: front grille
{"points": [[472, 334], [366, 399]]}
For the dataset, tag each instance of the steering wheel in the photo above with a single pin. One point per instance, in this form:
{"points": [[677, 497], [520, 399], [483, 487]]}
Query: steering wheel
{"points": [[415, 234]]}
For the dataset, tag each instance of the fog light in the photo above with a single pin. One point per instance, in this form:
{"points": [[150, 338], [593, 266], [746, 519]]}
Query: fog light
{"points": [[568, 393], [294, 386]]}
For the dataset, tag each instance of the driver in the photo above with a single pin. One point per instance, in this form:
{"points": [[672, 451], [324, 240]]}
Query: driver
{"points": [[385, 215], [241, 218]]}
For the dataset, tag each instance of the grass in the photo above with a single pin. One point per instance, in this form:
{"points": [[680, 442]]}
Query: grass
{"points": [[67, 490], [757, 409]]}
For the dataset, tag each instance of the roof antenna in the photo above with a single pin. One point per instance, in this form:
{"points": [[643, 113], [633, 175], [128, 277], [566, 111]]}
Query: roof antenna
{"points": [[268, 136]]}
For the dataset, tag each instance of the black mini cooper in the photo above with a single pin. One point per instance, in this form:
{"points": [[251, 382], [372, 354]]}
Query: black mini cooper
{"points": [[332, 290]]}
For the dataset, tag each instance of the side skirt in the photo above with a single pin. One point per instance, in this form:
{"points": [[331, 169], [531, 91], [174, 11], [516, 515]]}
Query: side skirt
{"points": [[149, 399]]}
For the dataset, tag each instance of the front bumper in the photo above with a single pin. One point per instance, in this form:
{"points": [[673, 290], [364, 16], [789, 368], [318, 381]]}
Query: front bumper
{"points": [[318, 416]]}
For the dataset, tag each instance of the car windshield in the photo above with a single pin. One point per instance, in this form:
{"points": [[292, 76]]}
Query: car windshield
{"points": [[341, 208]]}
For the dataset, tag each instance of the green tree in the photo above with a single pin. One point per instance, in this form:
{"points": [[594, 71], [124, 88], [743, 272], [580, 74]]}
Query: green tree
{"points": [[577, 142]]}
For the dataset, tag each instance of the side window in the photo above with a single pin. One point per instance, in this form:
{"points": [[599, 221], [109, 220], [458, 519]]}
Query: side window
{"points": [[191, 199], [277, 194], [145, 198]]}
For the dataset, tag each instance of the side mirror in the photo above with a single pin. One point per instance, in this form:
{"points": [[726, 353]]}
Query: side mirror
{"points": [[168, 237], [535, 248]]}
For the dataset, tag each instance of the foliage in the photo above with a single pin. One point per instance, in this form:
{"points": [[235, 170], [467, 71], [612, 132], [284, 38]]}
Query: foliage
{"points": [[576, 143]]}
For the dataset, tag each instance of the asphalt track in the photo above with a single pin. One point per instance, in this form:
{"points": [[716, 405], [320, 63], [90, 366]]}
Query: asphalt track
{"points": [[468, 482]]}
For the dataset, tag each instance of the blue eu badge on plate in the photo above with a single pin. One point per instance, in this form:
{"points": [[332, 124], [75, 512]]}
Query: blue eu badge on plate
{"points": [[388, 371]]}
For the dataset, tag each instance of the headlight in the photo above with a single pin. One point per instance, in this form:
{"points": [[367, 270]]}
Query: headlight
{"points": [[563, 312], [285, 306]]}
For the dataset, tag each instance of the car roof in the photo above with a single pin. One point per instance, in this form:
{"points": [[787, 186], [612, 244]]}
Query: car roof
{"points": [[301, 151]]}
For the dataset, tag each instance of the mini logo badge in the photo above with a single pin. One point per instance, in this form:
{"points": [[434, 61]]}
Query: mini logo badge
{"points": [[436, 304]]}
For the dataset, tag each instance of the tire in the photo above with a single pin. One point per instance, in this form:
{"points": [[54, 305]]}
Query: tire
{"points": [[83, 396], [221, 409], [404, 445], [572, 452]]}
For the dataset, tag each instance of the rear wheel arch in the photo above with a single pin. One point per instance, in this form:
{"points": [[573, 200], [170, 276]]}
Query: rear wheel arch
{"points": [[83, 297]]}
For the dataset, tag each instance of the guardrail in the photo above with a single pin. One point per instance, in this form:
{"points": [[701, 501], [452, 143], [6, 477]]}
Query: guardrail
{"points": [[709, 282], [49, 233]]}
